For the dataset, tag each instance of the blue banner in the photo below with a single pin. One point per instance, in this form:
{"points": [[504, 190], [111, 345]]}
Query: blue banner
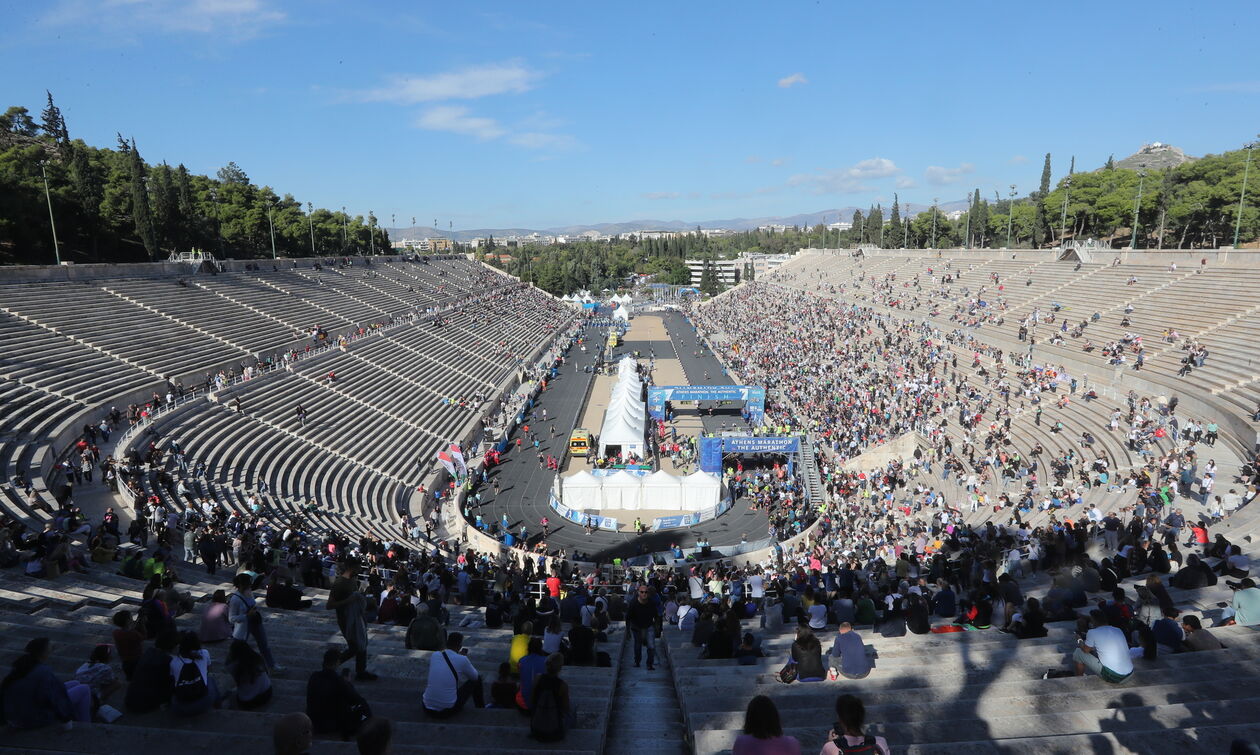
{"points": [[754, 397], [578, 517], [711, 455], [751, 444]]}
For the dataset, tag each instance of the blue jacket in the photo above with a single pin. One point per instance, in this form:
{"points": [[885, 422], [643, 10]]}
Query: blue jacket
{"points": [[36, 700]]}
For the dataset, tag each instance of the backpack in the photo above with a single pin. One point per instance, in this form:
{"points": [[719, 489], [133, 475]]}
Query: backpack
{"points": [[868, 746], [190, 685], [547, 722]]}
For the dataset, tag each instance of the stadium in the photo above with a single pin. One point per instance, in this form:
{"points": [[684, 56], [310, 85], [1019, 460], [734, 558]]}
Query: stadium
{"points": [[973, 437], [402, 378]]}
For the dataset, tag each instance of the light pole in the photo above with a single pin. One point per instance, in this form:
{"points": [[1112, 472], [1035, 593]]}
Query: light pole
{"points": [[345, 229], [905, 236], [1237, 219], [1010, 217], [372, 232], [934, 201], [1137, 204], [53, 222], [272, 226], [310, 220]]}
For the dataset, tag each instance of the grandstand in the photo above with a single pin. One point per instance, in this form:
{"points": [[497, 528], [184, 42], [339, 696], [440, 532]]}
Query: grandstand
{"points": [[390, 361]]}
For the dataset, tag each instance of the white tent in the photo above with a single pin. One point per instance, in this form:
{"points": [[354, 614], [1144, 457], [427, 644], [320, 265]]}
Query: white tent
{"points": [[662, 490], [628, 406], [621, 313], [700, 490], [623, 491], [619, 431], [581, 492]]}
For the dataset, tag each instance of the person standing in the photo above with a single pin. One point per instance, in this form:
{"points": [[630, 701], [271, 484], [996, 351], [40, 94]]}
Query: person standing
{"points": [[344, 597], [641, 617], [246, 619]]}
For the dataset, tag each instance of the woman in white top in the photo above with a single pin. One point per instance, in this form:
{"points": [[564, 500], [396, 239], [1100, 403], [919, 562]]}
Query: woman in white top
{"points": [[194, 688]]}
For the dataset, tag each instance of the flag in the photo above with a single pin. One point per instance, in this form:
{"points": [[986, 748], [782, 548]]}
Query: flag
{"points": [[447, 462], [458, 456]]}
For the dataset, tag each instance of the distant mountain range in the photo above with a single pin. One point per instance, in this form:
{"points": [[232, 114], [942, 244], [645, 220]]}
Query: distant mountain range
{"points": [[1154, 156], [632, 226]]}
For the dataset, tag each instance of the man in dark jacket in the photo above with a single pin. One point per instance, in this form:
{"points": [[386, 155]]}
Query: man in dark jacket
{"points": [[641, 617], [332, 703]]}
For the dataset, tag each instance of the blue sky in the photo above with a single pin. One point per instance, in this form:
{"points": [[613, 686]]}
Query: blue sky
{"points": [[545, 114]]}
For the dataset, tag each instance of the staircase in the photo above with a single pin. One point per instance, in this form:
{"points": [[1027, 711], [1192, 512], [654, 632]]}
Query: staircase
{"points": [[646, 719]]}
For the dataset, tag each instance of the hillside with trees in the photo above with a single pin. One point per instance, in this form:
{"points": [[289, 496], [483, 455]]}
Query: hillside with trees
{"points": [[111, 206]]}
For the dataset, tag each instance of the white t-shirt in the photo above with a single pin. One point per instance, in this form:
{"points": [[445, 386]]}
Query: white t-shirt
{"points": [[818, 616], [441, 691], [687, 616], [695, 587], [757, 586], [1112, 648]]}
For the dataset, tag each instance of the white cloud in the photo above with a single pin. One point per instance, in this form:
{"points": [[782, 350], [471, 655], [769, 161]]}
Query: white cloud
{"points": [[541, 140], [791, 81], [905, 182], [846, 180], [464, 84], [230, 18], [661, 195], [752, 159], [1017, 160], [779, 161], [457, 120], [937, 175]]}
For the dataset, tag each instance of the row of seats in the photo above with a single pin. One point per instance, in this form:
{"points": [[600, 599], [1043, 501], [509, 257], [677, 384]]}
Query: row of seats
{"points": [[371, 433], [77, 612], [76, 348]]}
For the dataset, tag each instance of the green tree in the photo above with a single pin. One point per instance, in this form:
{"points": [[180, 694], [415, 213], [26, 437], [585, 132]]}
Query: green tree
{"points": [[53, 123], [140, 210], [1041, 233], [708, 278]]}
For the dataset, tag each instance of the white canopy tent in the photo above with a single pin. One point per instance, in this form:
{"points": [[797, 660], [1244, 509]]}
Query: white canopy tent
{"points": [[619, 431], [582, 491], [628, 406], [662, 491], [700, 490], [623, 491]]}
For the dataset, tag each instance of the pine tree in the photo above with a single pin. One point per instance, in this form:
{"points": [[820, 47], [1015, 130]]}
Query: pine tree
{"points": [[708, 278], [981, 222], [894, 218], [189, 231], [53, 123], [859, 228], [140, 211], [88, 193], [1041, 232]]}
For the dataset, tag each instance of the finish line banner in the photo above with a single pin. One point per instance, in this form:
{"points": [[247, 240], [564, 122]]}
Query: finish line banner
{"points": [[753, 396], [712, 448]]}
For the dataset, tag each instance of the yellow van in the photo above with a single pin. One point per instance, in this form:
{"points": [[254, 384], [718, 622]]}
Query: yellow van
{"points": [[580, 442]]}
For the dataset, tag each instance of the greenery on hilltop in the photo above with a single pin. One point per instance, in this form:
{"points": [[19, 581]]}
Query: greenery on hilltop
{"points": [[112, 206], [1192, 205]]}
